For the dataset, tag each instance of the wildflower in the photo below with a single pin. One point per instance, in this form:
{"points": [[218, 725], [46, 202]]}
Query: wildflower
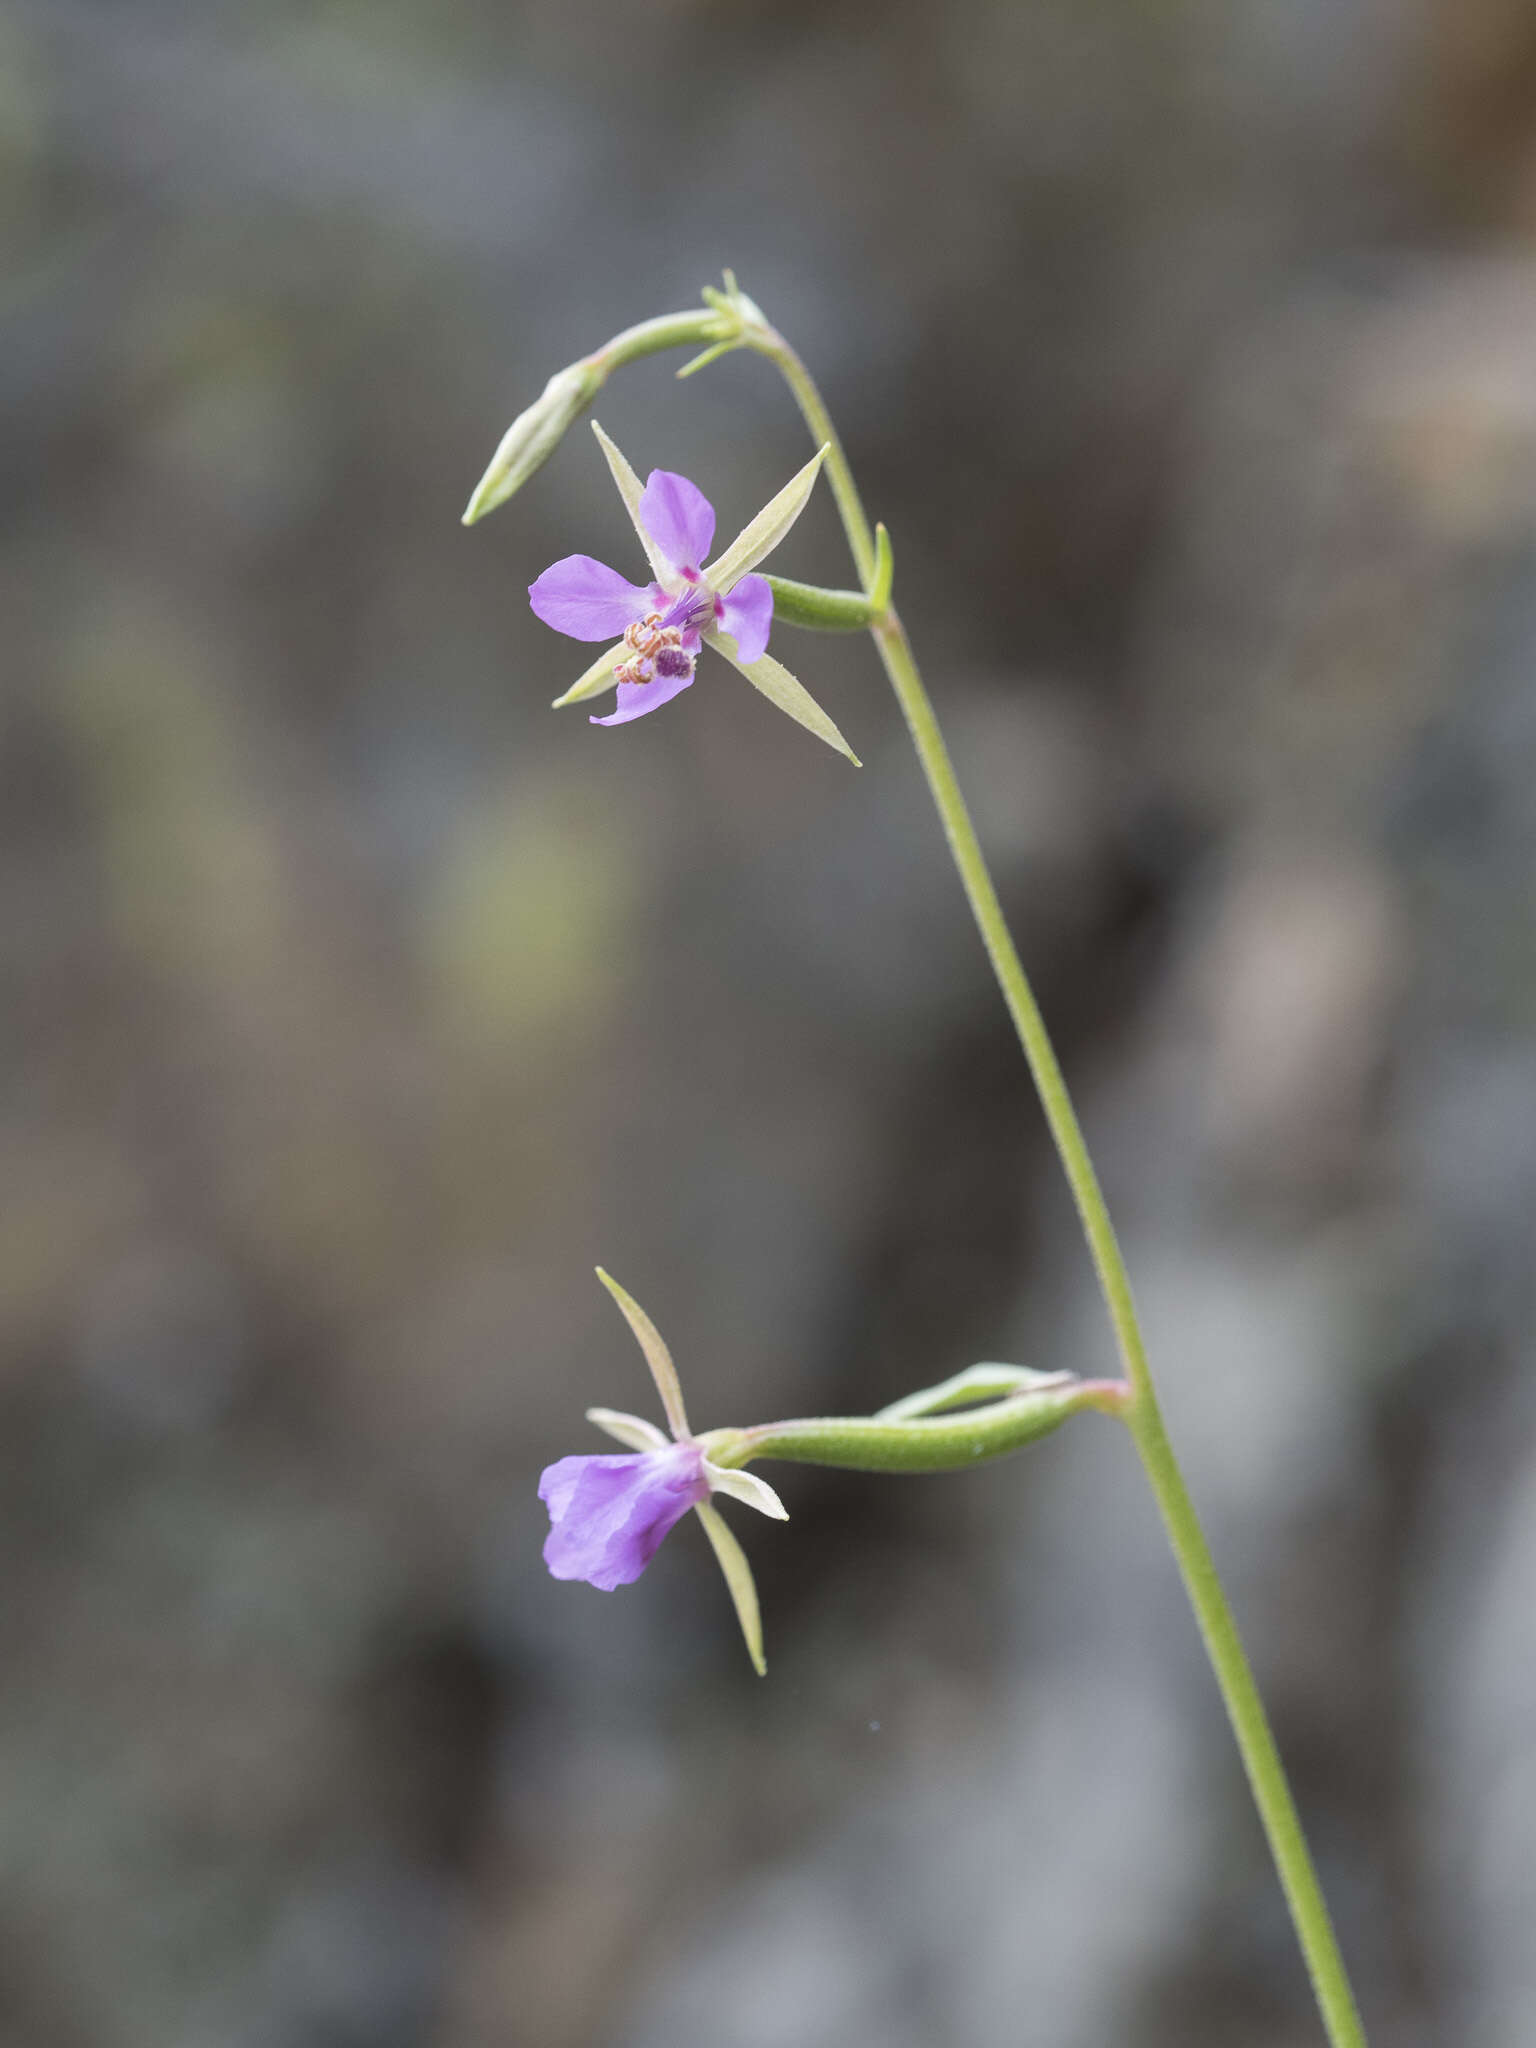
{"points": [[608, 1515], [658, 628]]}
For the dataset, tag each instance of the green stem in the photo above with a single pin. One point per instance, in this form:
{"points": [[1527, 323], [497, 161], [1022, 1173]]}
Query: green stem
{"points": [[1245, 1709], [861, 537], [1250, 1724], [651, 337], [926, 1443]]}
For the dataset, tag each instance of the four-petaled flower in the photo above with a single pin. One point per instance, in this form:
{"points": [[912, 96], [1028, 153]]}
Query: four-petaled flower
{"points": [[608, 1515], [689, 604], [662, 623]]}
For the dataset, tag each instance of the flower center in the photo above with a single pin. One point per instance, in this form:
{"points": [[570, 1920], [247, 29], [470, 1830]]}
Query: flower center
{"points": [[655, 650], [695, 609]]}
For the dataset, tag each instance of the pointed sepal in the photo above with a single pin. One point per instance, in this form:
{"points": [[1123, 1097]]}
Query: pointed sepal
{"points": [[732, 1560], [595, 680], [657, 1356], [630, 488], [786, 691], [745, 1487], [762, 535], [633, 1430]]}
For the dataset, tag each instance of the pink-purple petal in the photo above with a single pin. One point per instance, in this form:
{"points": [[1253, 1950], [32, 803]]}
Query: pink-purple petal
{"points": [[678, 517], [607, 1516], [586, 600], [746, 613], [634, 700]]}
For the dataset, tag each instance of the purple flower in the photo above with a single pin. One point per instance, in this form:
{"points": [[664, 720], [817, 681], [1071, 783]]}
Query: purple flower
{"points": [[659, 627], [662, 623], [608, 1515]]}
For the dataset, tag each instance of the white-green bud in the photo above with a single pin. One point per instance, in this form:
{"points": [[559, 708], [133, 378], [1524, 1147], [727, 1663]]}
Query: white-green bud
{"points": [[534, 436]]}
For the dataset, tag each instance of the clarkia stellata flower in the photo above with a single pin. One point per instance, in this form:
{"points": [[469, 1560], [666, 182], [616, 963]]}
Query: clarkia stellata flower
{"points": [[689, 603], [608, 1515], [662, 623]]}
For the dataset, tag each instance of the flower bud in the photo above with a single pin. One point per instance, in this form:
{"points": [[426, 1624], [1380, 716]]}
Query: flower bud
{"points": [[534, 436]]}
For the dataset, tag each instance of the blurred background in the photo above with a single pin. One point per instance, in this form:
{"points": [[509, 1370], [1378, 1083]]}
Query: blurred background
{"points": [[354, 1006]]}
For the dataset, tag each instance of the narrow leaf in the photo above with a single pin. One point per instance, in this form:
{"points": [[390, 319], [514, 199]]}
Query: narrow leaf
{"points": [[598, 677], [781, 688], [657, 1356], [629, 490], [976, 1383], [738, 1577], [763, 534]]}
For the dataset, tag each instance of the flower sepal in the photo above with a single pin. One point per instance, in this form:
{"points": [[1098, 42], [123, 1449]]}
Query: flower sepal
{"points": [[593, 681]]}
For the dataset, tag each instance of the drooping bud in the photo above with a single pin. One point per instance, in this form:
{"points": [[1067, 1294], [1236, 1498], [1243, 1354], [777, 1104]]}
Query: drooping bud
{"points": [[534, 436]]}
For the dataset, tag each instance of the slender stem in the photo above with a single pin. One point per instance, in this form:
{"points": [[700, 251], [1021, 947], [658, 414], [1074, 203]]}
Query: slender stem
{"points": [[965, 849], [1250, 1724], [813, 411], [652, 337], [1245, 1709]]}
